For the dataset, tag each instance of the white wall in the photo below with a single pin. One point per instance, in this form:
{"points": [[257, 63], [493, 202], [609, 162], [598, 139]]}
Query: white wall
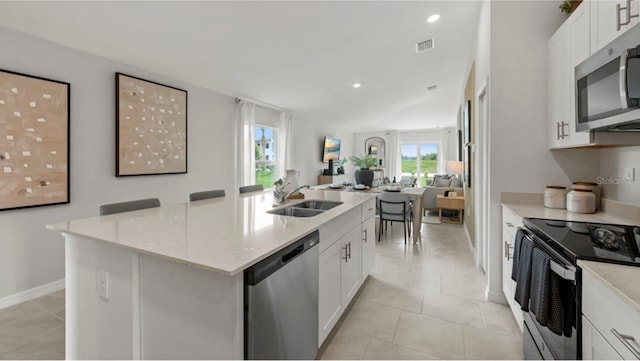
{"points": [[613, 163], [519, 159], [446, 139], [33, 256]]}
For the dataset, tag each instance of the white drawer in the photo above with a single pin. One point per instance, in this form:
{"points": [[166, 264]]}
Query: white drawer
{"points": [[332, 231], [368, 209], [608, 313], [510, 222]]}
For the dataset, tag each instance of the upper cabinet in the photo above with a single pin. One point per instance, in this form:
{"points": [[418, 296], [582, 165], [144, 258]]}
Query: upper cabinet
{"points": [[591, 26], [609, 19], [569, 46]]}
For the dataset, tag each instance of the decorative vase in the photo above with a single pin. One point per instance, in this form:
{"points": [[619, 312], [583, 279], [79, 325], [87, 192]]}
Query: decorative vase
{"points": [[364, 176]]}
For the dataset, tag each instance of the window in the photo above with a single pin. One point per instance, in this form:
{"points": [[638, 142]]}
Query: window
{"points": [[420, 161], [266, 148]]}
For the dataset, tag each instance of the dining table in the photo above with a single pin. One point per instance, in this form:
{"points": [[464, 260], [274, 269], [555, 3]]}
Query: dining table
{"points": [[415, 195]]}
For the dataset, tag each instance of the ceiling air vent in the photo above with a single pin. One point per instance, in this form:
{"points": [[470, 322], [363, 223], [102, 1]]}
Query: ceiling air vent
{"points": [[424, 45]]}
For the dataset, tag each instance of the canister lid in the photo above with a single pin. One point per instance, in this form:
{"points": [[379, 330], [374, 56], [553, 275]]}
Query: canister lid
{"points": [[585, 184], [556, 187], [581, 190]]}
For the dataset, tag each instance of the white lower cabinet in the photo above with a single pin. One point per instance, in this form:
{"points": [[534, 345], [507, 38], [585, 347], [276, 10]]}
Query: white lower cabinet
{"points": [[350, 266], [594, 346], [510, 224], [330, 291], [610, 326], [368, 245], [347, 253]]}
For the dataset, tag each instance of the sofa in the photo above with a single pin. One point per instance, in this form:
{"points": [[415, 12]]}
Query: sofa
{"points": [[438, 186]]}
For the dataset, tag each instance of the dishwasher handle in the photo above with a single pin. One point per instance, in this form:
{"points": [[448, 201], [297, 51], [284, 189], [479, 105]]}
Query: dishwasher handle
{"points": [[291, 255], [263, 269]]}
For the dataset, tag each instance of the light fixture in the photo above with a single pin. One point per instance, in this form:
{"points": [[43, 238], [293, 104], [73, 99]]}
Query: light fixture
{"points": [[357, 85], [433, 18]]}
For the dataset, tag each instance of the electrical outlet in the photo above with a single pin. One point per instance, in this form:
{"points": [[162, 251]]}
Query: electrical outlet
{"points": [[103, 284]]}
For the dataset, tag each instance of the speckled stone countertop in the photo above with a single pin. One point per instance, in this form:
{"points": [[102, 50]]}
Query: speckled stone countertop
{"points": [[225, 235], [530, 205], [624, 281]]}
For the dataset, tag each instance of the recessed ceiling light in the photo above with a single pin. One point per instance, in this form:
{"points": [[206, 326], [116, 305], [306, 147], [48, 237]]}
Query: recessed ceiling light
{"points": [[357, 85], [433, 18]]}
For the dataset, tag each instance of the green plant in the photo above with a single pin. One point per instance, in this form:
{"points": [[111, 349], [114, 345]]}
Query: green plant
{"points": [[340, 162], [565, 7], [363, 162]]}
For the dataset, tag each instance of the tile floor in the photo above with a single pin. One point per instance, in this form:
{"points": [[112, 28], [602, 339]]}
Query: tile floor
{"points": [[421, 302], [33, 330], [425, 301]]}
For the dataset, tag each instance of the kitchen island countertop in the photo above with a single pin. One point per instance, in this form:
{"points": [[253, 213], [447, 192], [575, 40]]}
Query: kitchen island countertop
{"points": [[225, 235]]}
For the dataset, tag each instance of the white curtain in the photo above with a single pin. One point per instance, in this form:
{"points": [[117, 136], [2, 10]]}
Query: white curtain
{"points": [[393, 152], [285, 144], [245, 143]]}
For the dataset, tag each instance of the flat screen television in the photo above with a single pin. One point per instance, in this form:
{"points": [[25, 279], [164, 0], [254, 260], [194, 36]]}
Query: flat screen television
{"points": [[331, 149]]}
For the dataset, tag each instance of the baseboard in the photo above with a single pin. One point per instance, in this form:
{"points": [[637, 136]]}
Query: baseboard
{"points": [[30, 294], [496, 297]]}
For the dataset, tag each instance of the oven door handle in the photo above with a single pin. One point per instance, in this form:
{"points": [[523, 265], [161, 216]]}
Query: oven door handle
{"points": [[567, 273], [623, 79]]}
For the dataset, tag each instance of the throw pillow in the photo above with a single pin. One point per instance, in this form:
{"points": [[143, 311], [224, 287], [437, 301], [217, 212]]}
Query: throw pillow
{"points": [[442, 181], [456, 182]]}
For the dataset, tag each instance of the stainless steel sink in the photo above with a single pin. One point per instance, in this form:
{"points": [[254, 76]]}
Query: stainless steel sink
{"points": [[296, 212], [312, 204], [308, 208]]}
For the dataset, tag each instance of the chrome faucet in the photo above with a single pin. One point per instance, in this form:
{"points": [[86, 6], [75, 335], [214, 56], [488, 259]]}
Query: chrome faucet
{"points": [[280, 196]]}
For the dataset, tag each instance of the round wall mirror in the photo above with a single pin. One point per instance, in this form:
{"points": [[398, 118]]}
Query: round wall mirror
{"points": [[375, 147]]}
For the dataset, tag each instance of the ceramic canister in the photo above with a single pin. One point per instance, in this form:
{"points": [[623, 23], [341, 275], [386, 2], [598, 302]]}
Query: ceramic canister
{"points": [[581, 201], [592, 186], [555, 197]]}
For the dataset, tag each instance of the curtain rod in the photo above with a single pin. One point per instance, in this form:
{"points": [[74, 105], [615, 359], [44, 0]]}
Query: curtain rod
{"points": [[239, 100]]}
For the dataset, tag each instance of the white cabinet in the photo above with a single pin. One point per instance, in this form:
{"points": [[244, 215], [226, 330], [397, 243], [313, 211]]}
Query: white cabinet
{"points": [[347, 254], [510, 224], [329, 290], [368, 245], [568, 47], [350, 266], [612, 330], [594, 346], [605, 19]]}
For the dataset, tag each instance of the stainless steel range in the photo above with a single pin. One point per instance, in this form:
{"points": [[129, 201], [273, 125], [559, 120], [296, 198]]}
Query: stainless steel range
{"points": [[549, 281]]}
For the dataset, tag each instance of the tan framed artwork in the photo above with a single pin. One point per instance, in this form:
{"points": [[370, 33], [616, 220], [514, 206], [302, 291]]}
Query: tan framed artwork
{"points": [[151, 127], [34, 141]]}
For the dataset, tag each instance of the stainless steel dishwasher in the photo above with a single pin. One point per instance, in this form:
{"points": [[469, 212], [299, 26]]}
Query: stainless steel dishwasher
{"points": [[281, 304]]}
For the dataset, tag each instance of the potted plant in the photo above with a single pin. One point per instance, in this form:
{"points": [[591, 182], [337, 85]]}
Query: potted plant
{"points": [[364, 175]]}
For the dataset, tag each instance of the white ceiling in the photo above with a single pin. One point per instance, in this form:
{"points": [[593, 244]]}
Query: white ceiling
{"points": [[301, 56]]}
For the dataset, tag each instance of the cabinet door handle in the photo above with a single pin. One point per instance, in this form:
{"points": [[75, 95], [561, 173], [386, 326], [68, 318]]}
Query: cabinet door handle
{"points": [[507, 249], [625, 341], [628, 18], [366, 235], [370, 209], [557, 130], [349, 250], [346, 253], [564, 135], [509, 224]]}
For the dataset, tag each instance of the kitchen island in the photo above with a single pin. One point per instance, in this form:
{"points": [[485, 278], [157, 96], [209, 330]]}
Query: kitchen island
{"points": [[167, 282]]}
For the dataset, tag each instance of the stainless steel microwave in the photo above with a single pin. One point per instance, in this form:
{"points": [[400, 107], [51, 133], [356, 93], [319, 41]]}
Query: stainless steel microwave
{"points": [[608, 86]]}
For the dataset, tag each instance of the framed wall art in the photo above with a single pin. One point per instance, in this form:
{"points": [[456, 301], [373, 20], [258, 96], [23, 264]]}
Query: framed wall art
{"points": [[34, 141], [151, 127]]}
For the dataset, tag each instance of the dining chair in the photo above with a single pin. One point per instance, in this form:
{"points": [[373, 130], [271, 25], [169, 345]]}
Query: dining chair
{"points": [[251, 188], [216, 193], [128, 206], [394, 207]]}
